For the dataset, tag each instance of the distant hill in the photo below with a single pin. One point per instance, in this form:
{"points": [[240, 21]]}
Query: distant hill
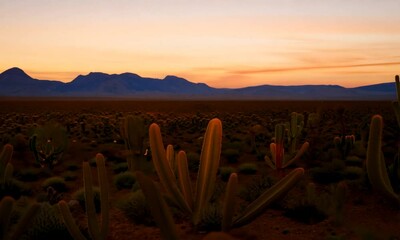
{"points": [[15, 82]]}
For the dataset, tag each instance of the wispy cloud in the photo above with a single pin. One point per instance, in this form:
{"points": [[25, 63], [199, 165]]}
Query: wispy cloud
{"points": [[291, 69]]}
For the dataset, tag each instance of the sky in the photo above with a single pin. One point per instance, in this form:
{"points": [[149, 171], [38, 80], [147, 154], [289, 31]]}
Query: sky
{"points": [[223, 43]]}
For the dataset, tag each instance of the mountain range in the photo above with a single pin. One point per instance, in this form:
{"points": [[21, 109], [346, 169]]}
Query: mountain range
{"points": [[14, 82]]}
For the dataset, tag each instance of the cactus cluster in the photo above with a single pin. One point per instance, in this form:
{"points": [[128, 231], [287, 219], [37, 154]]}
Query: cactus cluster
{"points": [[293, 129], [48, 144], [180, 192]]}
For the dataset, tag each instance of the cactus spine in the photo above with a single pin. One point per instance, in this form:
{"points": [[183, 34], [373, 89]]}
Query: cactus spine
{"points": [[376, 167], [95, 231]]}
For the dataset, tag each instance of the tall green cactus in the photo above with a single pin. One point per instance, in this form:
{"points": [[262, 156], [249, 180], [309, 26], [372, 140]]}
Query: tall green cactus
{"points": [[376, 167], [396, 104], [294, 129], [6, 168], [6, 207], [96, 231], [133, 131], [209, 163], [228, 211]]}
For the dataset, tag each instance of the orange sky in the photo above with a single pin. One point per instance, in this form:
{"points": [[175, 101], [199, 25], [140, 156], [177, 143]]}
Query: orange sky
{"points": [[222, 43]]}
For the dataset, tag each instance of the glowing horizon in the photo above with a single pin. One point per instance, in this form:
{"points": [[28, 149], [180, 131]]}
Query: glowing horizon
{"points": [[221, 43]]}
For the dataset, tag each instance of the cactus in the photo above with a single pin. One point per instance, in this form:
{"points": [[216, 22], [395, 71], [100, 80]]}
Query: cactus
{"points": [[158, 207], [6, 168], [279, 159], [344, 145], [376, 167], [209, 162], [228, 210], [6, 207], [48, 144], [396, 104], [184, 179], [294, 129], [96, 232], [171, 157], [163, 168], [133, 131]]}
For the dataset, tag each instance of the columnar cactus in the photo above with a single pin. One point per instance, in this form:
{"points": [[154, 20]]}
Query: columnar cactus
{"points": [[376, 167], [396, 104], [133, 131], [294, 129], [96, 231], [6, 168]]}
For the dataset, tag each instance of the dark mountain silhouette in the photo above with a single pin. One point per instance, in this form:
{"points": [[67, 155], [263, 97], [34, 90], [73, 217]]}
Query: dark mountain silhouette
{"points": [[15, 82]]}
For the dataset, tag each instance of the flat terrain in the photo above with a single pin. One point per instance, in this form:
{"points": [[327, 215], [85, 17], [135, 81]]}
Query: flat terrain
{"points": [[93, 126]]}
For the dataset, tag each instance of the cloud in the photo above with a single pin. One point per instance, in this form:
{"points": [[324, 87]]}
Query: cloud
{"points": [[291, 69]]}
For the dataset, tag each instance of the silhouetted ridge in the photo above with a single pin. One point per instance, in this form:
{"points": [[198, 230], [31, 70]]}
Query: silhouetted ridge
{"points": [[15, 82]]}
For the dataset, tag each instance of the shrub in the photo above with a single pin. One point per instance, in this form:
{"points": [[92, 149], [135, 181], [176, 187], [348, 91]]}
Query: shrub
{"points": [[120, 167], [231, 155], [29, 174], [225, 172], [325, 175], [124, 180], [69, 176], [72, 166], [248, 168], [79, 195], [58, 183], [136, 209], [353, 173], [15, 189]]}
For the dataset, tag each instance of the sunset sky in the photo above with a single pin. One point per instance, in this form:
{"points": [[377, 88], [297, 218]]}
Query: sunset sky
{"points": [[224, 43]]}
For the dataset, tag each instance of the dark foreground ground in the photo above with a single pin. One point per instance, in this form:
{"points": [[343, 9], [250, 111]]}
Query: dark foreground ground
{"points": [[93, 126]]}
